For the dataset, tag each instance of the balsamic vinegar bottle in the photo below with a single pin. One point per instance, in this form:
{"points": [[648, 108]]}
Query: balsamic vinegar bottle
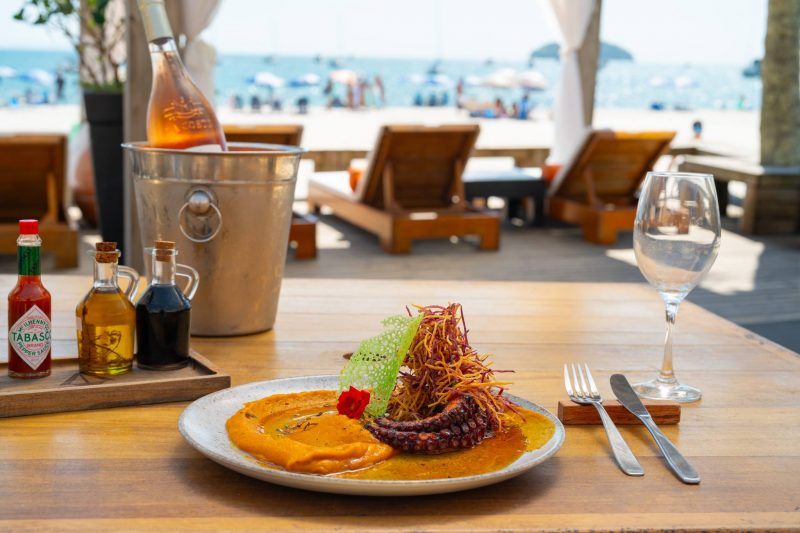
{"points": [[163, 315]]}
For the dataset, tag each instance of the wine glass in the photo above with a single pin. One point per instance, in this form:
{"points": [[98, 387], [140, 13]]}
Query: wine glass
{"points": [[675, 238]]}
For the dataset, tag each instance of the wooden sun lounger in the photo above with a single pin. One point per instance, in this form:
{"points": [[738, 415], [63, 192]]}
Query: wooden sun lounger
{"points": [[32, 184], [411, 189], [303, 233], [596, 190]]}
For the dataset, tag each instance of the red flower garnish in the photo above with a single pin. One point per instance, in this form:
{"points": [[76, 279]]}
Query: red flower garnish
{"points": [[352, 402]]}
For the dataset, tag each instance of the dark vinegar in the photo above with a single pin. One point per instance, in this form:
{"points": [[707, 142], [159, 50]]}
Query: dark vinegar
{"points": [[162, 328]]}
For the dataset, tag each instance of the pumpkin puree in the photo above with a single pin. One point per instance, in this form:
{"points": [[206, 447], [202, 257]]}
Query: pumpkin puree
{"points": [[302, 432]]}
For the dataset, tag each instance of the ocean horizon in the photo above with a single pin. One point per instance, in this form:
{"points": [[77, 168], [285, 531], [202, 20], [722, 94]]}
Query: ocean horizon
{"points": [[620, 84]]}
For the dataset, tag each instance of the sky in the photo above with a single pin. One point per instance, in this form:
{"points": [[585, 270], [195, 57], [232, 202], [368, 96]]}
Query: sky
{"points": [[655, 31]]}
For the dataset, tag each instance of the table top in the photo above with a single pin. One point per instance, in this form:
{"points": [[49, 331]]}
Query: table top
{"points": [[129, 467]]}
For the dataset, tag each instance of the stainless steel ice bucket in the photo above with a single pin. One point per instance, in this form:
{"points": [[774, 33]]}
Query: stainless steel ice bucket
{"points": [[230, 214]]}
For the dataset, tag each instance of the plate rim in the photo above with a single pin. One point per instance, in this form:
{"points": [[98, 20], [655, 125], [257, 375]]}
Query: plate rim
{"points": [[352, 486]]}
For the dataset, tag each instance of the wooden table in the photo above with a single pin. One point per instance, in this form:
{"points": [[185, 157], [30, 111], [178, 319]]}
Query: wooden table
{"points": [[129, 467]]}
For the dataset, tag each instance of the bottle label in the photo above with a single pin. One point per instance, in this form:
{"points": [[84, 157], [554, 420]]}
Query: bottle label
{"points": [[30, 337], [28, 260], [187, 115]]}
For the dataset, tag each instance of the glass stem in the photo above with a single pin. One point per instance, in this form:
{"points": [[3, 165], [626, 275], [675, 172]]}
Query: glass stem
{"points": [[667, 374]]}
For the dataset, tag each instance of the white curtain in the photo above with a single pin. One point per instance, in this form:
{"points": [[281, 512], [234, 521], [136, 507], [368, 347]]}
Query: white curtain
{"points": [[571, 18], [198, 55]]}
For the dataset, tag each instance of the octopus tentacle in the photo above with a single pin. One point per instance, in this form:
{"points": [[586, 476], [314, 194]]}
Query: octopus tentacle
{"points": [[461, 424]]}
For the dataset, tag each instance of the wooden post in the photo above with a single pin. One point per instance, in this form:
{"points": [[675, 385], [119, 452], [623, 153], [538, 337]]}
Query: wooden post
{"points": [[780, 76], [588, 60], [137, 94]]}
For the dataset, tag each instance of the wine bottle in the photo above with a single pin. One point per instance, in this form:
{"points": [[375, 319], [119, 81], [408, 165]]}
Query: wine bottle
{"points": [[178, 114]]}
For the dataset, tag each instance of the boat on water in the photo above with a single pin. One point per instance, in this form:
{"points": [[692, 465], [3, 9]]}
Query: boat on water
{"points": [[435, 69], [753, 70]]}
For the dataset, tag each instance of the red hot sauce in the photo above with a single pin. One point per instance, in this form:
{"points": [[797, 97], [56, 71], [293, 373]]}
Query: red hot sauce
{"points": [[29, 310]]}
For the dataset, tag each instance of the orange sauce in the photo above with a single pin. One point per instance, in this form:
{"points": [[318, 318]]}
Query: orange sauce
{"points": [[490, 455], [310, 417]]}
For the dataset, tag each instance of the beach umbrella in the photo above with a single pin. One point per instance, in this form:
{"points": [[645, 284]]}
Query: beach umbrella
{"points": [[472, 80], [348, 77], [267, 79], [533, 80], [685, 82], [658, 82], [38, 75], [504, 78], [306, 80], [7, 72], [431, 80], [438, 80]]}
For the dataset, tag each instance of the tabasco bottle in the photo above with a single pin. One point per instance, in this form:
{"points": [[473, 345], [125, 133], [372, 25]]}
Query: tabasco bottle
{"points": [[178, 114], [29, 310]]}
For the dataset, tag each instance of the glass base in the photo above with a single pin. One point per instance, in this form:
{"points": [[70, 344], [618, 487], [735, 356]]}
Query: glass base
{"points": [[658, 389]]}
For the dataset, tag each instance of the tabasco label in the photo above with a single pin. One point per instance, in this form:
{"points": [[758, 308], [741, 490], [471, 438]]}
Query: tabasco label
{"points": [[30, 337]]}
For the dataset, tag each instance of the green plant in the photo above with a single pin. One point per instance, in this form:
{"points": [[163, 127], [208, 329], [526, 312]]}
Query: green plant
{"points": [[95, 28]]}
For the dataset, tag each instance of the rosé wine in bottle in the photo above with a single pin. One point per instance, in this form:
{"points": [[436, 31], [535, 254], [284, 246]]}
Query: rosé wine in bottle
{"points": [[178, 115]]}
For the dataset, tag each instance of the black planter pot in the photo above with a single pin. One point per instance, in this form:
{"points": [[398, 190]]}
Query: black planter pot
{"points": [[104, 114]]}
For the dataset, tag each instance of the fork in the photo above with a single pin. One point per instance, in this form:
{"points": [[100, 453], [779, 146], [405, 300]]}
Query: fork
{"points": [[583, 390]]}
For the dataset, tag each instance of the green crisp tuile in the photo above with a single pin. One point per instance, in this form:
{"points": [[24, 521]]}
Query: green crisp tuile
{"points": [[375, 365]]}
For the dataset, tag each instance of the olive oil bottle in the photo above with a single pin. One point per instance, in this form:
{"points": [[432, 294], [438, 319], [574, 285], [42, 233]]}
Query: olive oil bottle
{"points": [[106, 318]]}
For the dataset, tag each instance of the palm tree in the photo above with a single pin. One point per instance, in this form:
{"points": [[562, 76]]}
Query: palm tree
{"points": [[780, 75]]}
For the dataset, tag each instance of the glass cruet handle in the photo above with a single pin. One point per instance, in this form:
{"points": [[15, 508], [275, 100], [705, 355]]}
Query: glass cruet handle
{"points": [[133, 277], [185, 271]]}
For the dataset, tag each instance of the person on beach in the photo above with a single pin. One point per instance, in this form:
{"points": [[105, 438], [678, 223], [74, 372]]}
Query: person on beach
{"points": [[255, 103], [524, 107], [697, 129], [499, 109], [59, 85], [381, 90], [460, 93]]}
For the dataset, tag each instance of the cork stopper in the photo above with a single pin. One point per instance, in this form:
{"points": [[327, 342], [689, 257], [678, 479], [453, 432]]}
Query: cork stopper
{"points": [[106, 252], [164, 250]]}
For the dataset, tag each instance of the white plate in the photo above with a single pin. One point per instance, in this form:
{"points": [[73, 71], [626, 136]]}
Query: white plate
{"points": [[202, 424]]}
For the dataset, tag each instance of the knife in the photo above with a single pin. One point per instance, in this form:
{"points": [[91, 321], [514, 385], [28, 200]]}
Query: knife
{"points": [[676, 461]]}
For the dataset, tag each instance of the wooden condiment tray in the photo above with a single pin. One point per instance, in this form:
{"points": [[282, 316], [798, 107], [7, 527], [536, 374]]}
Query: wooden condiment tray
{"points": [[66, 389], [573, 414]]}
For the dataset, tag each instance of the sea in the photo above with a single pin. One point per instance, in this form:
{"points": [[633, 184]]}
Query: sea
{"points": [[620, 84]]}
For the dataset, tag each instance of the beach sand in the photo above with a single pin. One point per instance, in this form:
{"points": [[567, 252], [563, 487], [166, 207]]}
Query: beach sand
{"points": [[733, 132]]}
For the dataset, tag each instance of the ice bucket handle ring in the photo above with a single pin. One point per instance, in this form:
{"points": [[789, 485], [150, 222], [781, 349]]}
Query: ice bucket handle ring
{"points": [[192, 277], [199, 218]]}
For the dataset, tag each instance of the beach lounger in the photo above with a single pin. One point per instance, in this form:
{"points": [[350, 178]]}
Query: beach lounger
{"points": [[411, 189], [303, 233], [286, 134], [32, 169], [597, 188]]}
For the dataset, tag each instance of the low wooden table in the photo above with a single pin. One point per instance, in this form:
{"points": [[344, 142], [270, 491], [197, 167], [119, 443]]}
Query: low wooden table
{"points": [[514, 184], [129, 468]]}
